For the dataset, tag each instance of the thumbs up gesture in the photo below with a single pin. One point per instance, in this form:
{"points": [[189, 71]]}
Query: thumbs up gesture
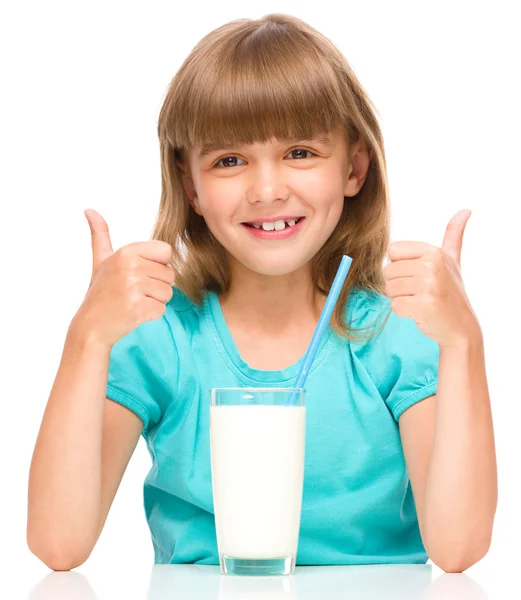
{"points": [[424, 283], [101, 244], [127, 287]]}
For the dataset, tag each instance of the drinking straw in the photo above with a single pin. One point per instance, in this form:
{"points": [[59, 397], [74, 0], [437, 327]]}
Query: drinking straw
{"points": [[325, 315]]}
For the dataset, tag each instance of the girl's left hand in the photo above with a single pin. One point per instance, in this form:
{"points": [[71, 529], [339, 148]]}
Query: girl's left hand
{"points": [[425, 284]]}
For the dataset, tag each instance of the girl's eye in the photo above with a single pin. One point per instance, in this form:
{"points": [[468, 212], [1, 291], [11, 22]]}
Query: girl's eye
{"points": [[225, 159], [226, 165]]}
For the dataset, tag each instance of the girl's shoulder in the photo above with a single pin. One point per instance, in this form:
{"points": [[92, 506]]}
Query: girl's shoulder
{"points": [[389, 338], [182, 308], [372, 312], [366, 306], [398, 357], [186, 317], [180, 302]]}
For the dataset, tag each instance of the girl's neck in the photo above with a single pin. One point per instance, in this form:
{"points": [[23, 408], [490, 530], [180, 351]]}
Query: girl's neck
{"points": [[272, 305]]}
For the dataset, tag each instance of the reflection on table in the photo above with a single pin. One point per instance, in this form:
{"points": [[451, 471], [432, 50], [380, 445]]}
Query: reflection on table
{"points": [[205, 582]]}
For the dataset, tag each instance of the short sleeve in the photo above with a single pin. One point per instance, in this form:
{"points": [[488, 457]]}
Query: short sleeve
{"points": [[413, 375], [143, 371], [401, 360]]}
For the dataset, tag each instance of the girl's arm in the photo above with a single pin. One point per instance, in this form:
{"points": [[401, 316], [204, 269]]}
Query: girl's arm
{"points": [[448, 442], [448, 439], [85, 440], [83, 447]]}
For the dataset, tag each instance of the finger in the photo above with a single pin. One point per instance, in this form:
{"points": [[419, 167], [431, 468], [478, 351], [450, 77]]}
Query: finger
{"points": [[404, 286], [155, 250], [101, 244], [408, 250], [152, 309], [159, 271], [403, 268], [405, 307], [158, 290], [453, 239]]}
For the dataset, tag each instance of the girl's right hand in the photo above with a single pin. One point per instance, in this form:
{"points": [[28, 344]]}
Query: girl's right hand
{"points": [[127, 287]]}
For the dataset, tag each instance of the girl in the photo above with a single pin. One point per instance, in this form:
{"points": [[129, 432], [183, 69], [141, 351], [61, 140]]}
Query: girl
{"points": [[273, 167]]}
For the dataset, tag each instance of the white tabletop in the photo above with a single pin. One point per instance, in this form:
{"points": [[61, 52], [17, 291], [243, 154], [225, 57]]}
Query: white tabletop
{"points": [[204, 582]]}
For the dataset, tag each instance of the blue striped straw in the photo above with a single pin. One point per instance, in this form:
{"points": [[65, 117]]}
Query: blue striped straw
{"points": [[323, 321]]}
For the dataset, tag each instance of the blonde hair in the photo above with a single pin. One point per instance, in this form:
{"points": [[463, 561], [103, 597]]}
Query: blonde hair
{"points": [[248, 81]]}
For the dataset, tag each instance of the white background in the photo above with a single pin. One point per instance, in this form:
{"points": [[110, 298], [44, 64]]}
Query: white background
{"points": [[83, 84]]}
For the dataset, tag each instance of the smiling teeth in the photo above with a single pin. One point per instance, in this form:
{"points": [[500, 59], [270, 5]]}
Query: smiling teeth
{"points": [[277, 225]]}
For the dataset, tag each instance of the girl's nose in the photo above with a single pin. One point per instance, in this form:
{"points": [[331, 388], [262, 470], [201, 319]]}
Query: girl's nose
{"points": [[268, 185]]}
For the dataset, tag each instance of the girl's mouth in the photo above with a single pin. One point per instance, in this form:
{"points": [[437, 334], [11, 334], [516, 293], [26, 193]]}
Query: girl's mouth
{"points": [[279, 230]]}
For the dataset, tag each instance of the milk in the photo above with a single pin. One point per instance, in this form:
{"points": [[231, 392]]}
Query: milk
{"points": [[257, 458]]}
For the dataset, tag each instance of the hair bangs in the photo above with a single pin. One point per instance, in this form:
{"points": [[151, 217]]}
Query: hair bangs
{"points": [[261, 87]]}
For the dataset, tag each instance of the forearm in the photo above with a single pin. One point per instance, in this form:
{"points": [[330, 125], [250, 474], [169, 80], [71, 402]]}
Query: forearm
{"points": [[461, 487], [65, 475]]}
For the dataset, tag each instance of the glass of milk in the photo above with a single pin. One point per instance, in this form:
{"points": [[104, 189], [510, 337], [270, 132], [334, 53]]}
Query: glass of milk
{"points": [[257, 441]]}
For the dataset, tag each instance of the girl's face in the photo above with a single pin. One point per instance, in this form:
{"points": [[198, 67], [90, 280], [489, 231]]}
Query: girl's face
{"points": [[231, 188]]}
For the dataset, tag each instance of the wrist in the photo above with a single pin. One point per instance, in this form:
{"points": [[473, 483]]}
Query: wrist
{"points": [[471, 338], [81, 334]]}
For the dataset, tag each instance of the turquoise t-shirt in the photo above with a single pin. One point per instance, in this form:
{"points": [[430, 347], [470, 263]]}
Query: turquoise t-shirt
{"points": [[357, 503]]}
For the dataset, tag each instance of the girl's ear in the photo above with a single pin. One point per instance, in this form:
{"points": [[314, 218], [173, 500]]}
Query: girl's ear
{"points": [[358, 167], [189, 187]]}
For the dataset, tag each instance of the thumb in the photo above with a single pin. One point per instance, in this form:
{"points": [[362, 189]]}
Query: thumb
{"points": [[101, 244], [453, 239]]}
